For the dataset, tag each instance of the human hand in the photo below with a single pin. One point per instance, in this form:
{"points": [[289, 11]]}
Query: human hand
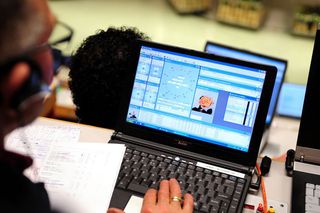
{"points": [[114, 210], [167, 199]]}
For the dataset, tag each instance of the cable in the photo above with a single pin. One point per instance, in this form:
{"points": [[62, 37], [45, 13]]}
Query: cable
{"points": [[263, 190]]}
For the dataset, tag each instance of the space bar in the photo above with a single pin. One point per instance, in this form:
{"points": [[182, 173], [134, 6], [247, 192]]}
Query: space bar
{"points": [[137, 188]]}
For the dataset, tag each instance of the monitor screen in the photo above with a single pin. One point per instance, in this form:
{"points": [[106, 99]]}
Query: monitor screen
{"points": [[208, 100], [290, 102], [240, 54]]}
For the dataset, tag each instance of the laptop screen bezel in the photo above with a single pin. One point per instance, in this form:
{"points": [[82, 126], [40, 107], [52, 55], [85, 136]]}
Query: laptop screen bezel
{"points": [[267, 124], [177, 141]]}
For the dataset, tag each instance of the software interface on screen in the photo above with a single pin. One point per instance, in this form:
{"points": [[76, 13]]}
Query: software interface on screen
{"points": [[291, 99], [195, 97], [280, 65]]}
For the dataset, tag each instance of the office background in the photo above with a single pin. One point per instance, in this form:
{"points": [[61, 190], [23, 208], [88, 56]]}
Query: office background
{"points": [[162, 23]]}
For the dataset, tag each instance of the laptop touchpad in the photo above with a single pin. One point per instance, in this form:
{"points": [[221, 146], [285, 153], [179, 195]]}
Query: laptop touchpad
{"points": [[134, 205]]}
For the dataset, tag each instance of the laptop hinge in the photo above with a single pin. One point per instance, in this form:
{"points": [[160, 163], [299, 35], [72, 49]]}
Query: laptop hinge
{"points": [[138, 141]]}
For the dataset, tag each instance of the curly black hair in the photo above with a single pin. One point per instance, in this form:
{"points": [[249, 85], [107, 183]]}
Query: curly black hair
{"points": [[96, 73]]}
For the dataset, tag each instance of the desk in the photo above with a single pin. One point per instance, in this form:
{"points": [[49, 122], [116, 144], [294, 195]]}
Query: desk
{"points": [[284, 130], [283, 136]]}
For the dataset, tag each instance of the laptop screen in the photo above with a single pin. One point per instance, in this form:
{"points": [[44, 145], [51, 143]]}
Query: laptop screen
{"points": [[207, 100], [291, 99], [280, 64]]}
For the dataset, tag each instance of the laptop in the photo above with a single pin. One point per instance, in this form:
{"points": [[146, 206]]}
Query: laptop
{"points": [[290, 101], [306, 173], [195, 117], [241, 54]]}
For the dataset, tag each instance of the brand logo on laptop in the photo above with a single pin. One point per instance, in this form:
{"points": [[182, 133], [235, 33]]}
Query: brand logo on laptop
{"points": [[182, 142]]}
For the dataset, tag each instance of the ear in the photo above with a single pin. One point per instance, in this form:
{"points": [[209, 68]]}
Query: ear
{"points": [[10, 83], [14, 80], [27, 93]]}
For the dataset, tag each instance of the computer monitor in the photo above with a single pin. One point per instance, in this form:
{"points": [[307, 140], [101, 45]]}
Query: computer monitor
{"points": [[290, 101], [281, 64]]}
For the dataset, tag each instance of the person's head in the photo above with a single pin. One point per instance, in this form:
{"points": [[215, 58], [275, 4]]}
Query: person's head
{"points": [[96, 72], [25, 25], [205, 102]]}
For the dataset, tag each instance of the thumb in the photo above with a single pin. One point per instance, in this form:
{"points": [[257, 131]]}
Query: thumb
{"points": [[115, 210]]}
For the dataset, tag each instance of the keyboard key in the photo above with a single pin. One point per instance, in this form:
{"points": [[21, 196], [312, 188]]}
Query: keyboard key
{"points": [[135, 152], [123, 183], [191, 167], [223, 210], [312, 208], [176, 163], [143, 154], [310, 185], [233, 178], [214, 209], [154, 185], [241, 180], [214, 202], [207, 171], [215, 173], [184, 165], [137, 188], [145, 183], [309, 191], [204, 208], [159, 158], [312, 200], [127, 156], [167, 160], [199, 169], [144, 174], [151, 156], [224, 176], [136, 158], [196, 205]]}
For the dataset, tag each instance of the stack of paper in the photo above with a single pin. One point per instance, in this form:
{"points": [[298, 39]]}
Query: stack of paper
{"points": [[79, 177]]}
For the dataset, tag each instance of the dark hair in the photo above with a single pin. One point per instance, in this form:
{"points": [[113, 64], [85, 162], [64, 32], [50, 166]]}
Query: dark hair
{"points": [[97, 70]]}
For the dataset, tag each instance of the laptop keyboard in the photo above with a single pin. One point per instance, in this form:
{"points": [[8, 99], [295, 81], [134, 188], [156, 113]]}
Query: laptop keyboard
{"points": [[312, 198], [212, 191]]}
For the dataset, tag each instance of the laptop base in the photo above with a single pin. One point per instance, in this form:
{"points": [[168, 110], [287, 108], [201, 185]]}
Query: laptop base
{"points": [[116, 202]]}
